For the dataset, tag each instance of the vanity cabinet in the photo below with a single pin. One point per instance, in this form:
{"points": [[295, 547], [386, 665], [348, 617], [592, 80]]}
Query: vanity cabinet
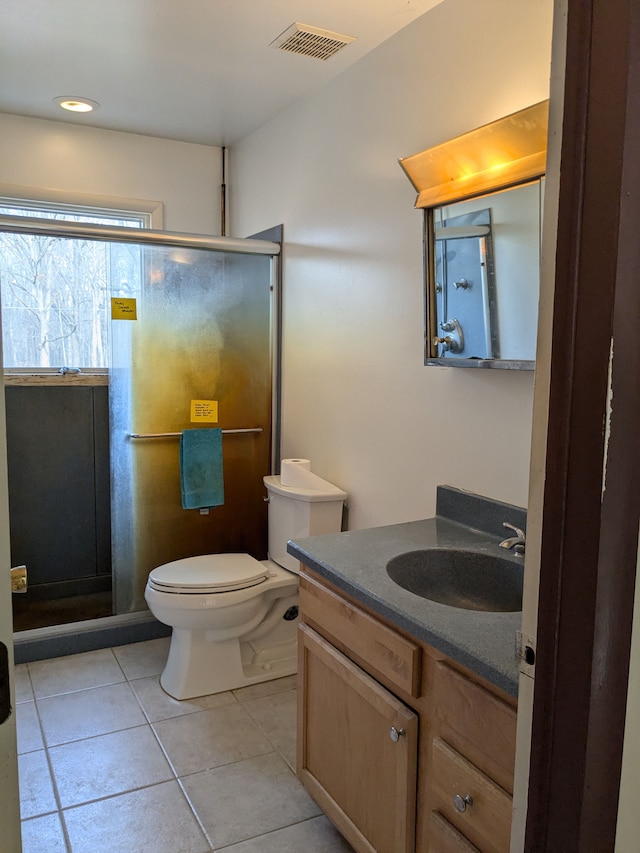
{"points": [[403, 749]]}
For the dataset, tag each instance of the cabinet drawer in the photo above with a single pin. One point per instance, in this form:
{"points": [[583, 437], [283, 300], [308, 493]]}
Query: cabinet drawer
{"points": [[483, 721], [391, 654], [486, 820], [444, 838]]}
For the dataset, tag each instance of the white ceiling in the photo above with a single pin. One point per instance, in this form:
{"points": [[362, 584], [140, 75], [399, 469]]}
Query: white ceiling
{"points": [[193, 70]]}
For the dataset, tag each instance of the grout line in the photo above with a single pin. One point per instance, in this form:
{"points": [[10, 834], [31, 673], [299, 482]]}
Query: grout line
{"points": [[193, 811], [115, 657], [90, 737], [40, 814], [226, 764], [33, 692], [93, 737], [107, 797], [54, 783], [65, 831], [79, 690], [68, 659], [271, 832], [164, 751]]}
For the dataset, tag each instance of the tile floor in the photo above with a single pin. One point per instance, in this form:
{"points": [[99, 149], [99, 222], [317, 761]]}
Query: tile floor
{"points": [[109, 763]]}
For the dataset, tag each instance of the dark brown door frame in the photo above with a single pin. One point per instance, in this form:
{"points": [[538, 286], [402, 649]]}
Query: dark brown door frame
{"points": [[590, 520]]}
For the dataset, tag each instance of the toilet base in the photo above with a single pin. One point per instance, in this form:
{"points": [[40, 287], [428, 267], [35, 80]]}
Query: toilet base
{"points": [[200, 666], [223, 669]]}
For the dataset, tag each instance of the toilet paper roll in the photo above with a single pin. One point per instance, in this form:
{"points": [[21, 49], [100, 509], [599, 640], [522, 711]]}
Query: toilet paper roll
{"points": [[291, 471], [297, 474]]}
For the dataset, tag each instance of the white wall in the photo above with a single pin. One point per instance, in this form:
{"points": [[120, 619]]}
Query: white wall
{"points": [[357, 399], [71, 158]]}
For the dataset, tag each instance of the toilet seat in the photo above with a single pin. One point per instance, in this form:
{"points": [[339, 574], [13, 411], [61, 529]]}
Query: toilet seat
{"points": [[209, 573]]}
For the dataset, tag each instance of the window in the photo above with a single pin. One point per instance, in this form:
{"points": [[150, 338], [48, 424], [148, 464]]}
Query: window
{"points": [[55, 291]]}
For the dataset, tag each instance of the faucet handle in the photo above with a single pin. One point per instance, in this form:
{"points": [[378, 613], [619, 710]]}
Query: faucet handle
{"points": [[515, 529]]}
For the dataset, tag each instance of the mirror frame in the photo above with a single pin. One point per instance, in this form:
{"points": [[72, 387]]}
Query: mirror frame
{"points": [[501, 155]]}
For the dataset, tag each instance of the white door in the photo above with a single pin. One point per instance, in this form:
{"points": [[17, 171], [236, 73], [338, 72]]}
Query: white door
{"points": [[9, 797]]}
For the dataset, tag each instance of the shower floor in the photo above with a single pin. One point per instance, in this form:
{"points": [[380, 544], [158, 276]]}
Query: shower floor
{"points": [[58, 611]]}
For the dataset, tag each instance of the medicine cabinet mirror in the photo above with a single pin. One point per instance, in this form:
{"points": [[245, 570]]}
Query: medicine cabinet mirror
{"points": [[481, 194]]}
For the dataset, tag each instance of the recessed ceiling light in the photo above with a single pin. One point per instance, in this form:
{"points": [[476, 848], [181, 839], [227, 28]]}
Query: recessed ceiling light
{"points": [[76, 105]]}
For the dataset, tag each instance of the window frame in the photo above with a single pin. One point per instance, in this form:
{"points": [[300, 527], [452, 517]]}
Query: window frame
{"points": [[45, 201], [48, 199]]}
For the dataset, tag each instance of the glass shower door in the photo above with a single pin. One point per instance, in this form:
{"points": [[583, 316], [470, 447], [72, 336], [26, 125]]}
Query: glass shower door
{"points": [[187, 325]]}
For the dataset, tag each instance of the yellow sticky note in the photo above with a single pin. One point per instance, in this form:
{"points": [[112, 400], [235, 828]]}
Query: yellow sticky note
{"points": [[204, 411], [123, 309]]}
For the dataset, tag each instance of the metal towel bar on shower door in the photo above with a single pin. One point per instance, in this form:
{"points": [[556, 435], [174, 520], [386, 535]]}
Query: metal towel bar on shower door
{"points": [[176, 434]]}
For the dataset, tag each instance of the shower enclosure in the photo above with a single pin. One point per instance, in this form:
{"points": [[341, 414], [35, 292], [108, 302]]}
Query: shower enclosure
{"points": [[194, 340]]}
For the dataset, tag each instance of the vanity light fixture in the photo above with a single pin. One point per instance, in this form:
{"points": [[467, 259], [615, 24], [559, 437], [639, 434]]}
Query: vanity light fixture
{"points": [[495, 156], [76, 105]]}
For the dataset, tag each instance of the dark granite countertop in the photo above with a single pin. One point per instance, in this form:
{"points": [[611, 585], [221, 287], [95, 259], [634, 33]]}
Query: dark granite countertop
{"points": [[355, 561]]}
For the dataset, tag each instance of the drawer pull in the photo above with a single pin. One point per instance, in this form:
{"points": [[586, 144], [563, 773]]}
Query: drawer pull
{"points": [[395, 734], [461, 803]]}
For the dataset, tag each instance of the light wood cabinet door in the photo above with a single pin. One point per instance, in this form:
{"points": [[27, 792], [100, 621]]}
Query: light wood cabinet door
{"points": [[357, 749]]}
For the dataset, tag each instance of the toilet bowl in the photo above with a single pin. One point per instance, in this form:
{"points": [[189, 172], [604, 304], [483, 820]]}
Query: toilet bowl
{"points": [[234, 618]]}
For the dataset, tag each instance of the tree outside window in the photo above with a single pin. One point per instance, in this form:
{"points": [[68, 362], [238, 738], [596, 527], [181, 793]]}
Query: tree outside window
{"points": [[55, 293]]}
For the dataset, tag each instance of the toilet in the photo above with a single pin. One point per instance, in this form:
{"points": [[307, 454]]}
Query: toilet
{"points": [[234, 618]]}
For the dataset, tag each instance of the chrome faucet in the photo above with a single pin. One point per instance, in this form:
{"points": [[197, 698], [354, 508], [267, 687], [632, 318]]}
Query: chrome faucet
{"points": [[517, 542]]}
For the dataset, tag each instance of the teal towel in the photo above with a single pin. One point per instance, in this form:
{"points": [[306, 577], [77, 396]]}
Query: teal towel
{"points": [[201, 480]]}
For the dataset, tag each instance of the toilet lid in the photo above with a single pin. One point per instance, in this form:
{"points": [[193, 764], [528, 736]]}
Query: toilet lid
{"points": [[209, 573]]}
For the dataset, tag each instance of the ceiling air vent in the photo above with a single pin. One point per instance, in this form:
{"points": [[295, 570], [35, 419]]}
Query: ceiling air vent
{"points": [[311, 41]]}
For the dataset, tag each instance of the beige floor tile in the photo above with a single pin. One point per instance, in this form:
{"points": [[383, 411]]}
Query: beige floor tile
{"points": [[43, 835], [153, 820], [277, 715], [139, 660], [88, 713], [239, 801], [317, 835], [22, 683], [36, 788], [28, 728], [158, 705], [266, 688], [74, 672], [114, 779], [211, 738], [110, 764]]}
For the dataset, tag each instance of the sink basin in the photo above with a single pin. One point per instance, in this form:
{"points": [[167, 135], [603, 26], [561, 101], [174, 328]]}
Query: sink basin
{"points": [[468, 579]]}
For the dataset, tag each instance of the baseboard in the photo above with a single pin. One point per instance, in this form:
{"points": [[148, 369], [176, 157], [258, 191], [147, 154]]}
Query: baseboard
{"points": [[74, 637]]}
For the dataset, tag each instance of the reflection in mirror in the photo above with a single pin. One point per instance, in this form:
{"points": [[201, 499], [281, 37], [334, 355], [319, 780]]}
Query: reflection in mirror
{"points": [[481, 196], [485, 273]]}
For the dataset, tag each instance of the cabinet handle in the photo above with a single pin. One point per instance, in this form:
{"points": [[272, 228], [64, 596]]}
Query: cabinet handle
{"points": [[461, 803], [395, 734]]}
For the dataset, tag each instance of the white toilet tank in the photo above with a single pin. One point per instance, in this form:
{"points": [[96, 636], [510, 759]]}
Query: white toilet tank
{"points": [[295, 513]]}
